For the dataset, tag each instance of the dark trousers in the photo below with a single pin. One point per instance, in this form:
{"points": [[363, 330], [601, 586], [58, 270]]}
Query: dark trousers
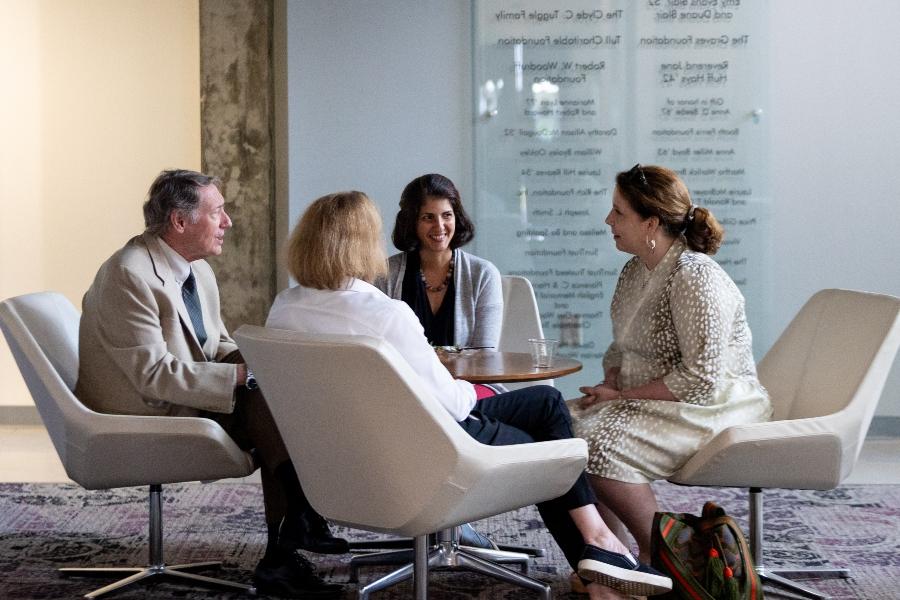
{"points": [[535, 414], [252, 427]]}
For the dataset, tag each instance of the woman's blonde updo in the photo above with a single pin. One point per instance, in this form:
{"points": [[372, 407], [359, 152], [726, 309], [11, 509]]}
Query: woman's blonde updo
{"points": [[654, 191]]}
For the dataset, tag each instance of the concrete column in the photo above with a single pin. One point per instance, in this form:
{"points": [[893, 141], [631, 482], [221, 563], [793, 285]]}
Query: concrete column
{"points": [[237, 146]]}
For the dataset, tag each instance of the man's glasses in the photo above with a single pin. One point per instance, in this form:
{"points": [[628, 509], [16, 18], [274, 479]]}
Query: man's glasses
{"points": [[638, 172]]}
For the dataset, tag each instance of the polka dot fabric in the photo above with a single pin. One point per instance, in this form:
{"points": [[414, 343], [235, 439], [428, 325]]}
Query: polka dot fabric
{"points": [[683, 322]]}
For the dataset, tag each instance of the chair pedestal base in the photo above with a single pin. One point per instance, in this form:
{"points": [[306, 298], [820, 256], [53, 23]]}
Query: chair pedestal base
{"points": [[143, 573], [448, 555], [407, 543], [406, 556], [777, 577], [400, 552], [157, 565]]}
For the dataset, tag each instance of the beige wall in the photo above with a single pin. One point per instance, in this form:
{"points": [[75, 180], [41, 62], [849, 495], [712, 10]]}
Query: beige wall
{"points": [[97, 97]]}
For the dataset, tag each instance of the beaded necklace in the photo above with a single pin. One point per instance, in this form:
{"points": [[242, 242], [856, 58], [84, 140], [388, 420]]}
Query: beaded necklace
{"points": [[443, 285]]}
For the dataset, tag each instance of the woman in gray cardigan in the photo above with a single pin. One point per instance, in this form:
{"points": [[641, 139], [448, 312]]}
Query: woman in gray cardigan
{"points": [[456, 296]]}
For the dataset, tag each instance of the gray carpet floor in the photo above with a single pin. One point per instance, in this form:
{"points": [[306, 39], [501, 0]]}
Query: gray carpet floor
{"points": [[44, 526]]}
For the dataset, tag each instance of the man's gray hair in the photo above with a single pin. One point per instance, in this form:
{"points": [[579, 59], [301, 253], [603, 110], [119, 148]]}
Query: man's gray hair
{"points": [[174, 190]]}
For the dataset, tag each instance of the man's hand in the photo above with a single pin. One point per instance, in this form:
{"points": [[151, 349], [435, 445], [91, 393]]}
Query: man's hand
{"points": [[241, 374]]}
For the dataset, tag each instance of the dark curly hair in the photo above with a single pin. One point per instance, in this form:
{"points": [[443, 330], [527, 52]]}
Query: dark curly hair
{"points": [[414, 195]]}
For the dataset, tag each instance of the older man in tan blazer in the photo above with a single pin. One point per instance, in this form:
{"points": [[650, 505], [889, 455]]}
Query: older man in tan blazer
{"points": [[152, 342]]}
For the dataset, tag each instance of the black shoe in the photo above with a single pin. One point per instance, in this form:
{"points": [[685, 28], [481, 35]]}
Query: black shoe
{"points": [[621, 572], [469, 537], [309, 531], [289, 575]]}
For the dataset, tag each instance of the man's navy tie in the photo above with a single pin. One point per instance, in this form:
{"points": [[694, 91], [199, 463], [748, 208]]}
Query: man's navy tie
{"points": [[192, 303]]}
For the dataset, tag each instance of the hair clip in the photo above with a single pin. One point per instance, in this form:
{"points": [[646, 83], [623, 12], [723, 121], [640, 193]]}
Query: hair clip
{"points": [[637, 169]]}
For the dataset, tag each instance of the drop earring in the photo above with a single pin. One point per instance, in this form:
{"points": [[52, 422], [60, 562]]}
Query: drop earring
{"points": [[651, 243]]}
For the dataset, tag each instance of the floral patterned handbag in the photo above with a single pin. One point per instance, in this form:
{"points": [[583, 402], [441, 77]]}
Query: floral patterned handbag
{"points": [[707, 557]]}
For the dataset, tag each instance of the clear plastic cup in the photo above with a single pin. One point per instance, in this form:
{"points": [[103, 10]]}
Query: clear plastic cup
{"points": [[542, 352]]}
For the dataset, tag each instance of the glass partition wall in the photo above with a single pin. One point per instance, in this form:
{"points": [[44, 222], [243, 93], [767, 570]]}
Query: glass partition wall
{"points": [[568, 95]]}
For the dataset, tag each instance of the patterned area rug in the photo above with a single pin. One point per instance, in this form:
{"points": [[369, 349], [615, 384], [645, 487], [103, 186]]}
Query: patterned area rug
{"points": [[43, 527]]}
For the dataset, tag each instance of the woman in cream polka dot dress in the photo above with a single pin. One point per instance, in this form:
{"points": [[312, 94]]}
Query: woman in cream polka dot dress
{"points": [[680, 367]]}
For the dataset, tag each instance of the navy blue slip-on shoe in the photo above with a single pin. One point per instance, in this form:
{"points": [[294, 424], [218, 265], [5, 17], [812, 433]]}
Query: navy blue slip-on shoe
{"points": [[469, 537], [621, 572]]}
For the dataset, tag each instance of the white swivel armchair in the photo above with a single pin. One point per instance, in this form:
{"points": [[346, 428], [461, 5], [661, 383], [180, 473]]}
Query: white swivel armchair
{"points": [[825, 375], [521, 321], [374, 451], [100, 451]]}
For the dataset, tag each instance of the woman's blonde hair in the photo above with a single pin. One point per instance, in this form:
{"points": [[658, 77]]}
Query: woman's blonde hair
{"points": [[338, 237]]}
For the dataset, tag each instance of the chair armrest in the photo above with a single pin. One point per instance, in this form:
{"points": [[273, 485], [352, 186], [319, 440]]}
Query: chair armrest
{"points": [[494, 479], [125, 450], [797, 454]]}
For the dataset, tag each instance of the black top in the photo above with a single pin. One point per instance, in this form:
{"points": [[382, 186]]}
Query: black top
{"points": [[438, 326]]}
